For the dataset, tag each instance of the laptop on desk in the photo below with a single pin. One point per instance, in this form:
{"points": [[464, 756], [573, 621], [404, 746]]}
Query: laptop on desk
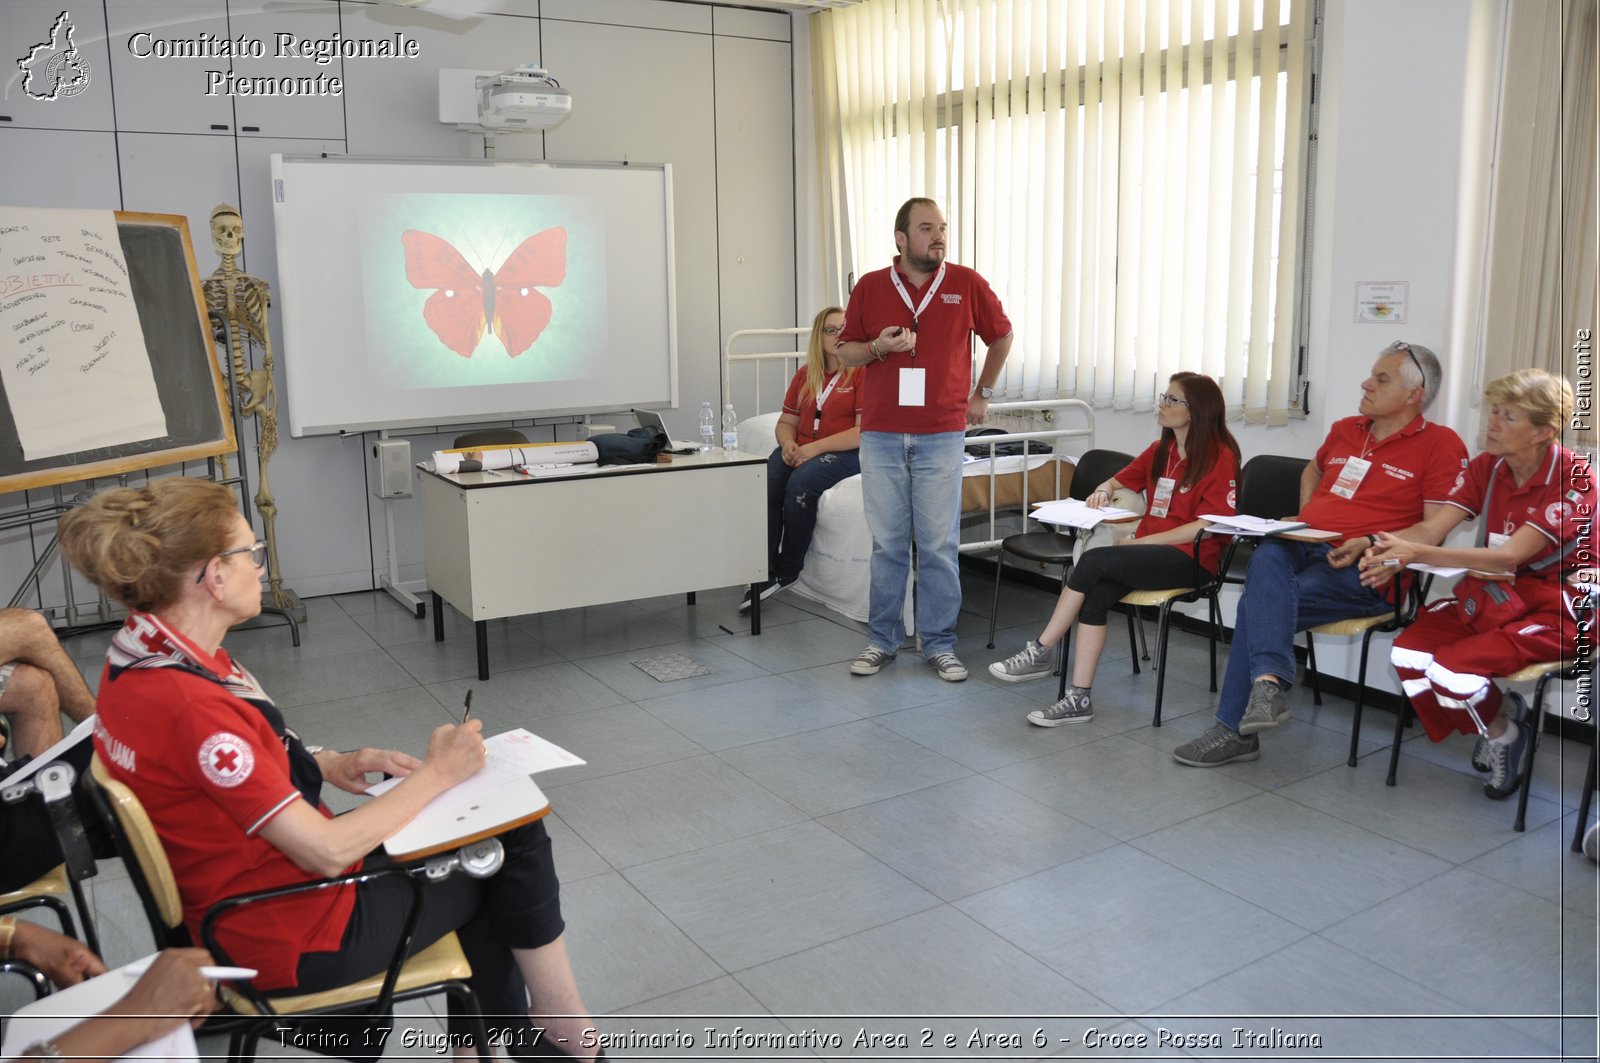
{"points": [[652, 419]]}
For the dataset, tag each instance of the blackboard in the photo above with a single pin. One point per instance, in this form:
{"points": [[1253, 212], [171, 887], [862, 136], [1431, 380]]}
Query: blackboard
{"points": [[166, 289]]}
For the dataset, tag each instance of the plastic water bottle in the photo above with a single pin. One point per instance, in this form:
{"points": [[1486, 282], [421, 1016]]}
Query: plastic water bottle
{"points": [[730, 428], [708, 428]]}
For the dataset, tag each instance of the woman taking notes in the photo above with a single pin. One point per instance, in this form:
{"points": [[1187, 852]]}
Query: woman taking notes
{"points": [[819, 436], [235, 796], [1534, 499], [1190, 470]]}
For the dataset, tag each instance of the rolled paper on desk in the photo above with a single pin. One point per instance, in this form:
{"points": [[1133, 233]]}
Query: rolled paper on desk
{"points": [[478, 459]]}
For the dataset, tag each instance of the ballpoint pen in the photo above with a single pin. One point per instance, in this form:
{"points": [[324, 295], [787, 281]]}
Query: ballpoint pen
{"points": [[466, 710]]}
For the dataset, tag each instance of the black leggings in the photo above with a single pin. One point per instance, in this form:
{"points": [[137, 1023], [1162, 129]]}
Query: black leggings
{"points": [[517, 907], [1105, 575]]}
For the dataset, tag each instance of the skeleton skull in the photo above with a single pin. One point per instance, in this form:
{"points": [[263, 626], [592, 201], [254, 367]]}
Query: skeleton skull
{"points": [[227, 230]]}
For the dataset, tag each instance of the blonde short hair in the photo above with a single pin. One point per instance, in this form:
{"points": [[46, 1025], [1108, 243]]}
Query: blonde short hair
{"points": [[1544, 397]]}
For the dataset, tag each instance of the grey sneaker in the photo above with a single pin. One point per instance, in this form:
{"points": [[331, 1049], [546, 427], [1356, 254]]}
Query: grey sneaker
{"points": [[1074, 708], [1034, 662], [1268, 707], [1591, 842], [1506, 761], [870, 660], [1216, 747], [1481, 760], [949, 667]]}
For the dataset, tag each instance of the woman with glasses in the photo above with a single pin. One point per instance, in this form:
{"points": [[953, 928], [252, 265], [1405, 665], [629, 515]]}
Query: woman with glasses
{"points": [[236, 796], [1535, 501], [1190, 470], [819, 440]]}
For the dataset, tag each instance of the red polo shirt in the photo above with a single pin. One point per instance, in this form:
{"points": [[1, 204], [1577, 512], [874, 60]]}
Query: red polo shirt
{"points": [[963, 305], [1558, 501], [1415, 466], [1214, 492], [211, 773], [839, 412]]}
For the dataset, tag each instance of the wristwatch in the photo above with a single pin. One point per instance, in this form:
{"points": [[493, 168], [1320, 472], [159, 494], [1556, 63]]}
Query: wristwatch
{"points": [[43, 1050], [983, 392]]}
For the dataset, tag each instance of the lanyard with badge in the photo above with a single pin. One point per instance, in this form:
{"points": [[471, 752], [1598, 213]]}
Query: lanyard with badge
{"points": [[914, 380], [1354, 471], [822, 400], [1164, 488]]}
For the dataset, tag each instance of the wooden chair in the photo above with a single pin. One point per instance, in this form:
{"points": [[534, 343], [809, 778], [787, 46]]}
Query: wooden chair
{"points": [[1053, 547], [1407, 602], [439, 968]]}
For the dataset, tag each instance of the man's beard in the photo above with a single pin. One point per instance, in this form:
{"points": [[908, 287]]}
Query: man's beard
{"points": [[925, 263]]}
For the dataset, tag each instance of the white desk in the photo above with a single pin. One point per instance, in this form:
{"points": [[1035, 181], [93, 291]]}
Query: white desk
{"points": [[501, 546]]}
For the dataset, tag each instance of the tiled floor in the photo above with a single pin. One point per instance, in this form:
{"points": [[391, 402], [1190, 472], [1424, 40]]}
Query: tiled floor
{"points": [[781, 847]]}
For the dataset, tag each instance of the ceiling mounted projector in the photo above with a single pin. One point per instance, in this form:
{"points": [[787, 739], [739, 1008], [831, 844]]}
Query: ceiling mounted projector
{"points": [[524, 99]]}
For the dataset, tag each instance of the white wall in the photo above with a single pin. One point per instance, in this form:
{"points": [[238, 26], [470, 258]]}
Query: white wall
{"points": [[705, 88]]}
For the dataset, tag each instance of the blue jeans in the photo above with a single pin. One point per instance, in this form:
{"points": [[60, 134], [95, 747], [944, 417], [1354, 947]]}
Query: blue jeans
{"points": [[792, 497], [912, 486], [1290, 587]]}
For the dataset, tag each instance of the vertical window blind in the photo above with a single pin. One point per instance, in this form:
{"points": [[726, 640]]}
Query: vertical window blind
{"points": [[1128, 175]]}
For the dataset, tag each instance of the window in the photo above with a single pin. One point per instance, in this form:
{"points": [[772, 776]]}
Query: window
{"points": [[1126, 173]]}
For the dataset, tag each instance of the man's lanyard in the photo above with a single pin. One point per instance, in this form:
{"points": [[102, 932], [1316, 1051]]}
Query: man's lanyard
{"points": [[816, 420], [905, 296]]}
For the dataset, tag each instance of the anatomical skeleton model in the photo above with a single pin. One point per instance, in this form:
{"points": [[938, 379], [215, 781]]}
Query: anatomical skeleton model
{"points": [[242, 300]]}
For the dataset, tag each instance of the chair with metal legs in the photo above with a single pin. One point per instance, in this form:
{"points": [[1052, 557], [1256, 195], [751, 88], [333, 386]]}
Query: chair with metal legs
{"points": [[1056, 548]]}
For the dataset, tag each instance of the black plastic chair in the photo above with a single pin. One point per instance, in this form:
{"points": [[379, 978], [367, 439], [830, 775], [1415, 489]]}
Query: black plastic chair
{"points": [[1588, 797], [1053, 547]]}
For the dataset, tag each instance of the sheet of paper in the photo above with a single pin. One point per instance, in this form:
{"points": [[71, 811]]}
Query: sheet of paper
{"points": [[58, 1012], [1248, 525], [79, 733], [512, 754], [1437, 570], [449, 461], [73, 357], [1074, 514]]}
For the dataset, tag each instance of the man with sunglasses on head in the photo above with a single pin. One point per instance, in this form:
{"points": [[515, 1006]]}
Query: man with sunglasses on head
{"points": [[1384, 470], [911, 325]]}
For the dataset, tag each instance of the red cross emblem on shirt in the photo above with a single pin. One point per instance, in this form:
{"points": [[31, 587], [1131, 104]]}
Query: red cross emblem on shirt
{"points": [[226, 759]]}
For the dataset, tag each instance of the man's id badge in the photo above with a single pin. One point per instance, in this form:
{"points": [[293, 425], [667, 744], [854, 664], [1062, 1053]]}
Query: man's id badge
{"points": [[1497, 540], [1350, 477], [1163, 496], [913, 387]]}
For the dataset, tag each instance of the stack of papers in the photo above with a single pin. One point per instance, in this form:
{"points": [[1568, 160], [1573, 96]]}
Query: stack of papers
{"points": [[1074, 514], [62, 1010]]}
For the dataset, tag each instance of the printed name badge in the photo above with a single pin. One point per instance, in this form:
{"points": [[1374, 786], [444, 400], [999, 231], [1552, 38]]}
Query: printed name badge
{"points": [[1350, 477], [913, 387], [1163, 497], [1496, 539]]}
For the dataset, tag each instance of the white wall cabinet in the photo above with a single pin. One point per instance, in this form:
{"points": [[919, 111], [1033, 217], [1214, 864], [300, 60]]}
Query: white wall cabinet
{"points": [[315, 114], [168, 94], [27, 23]]}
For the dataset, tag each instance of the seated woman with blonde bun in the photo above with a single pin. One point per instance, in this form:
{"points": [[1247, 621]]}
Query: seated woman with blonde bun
{"points": [[235, 794]]}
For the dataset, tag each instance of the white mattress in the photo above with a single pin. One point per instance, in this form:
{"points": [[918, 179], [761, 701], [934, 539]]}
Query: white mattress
{"points": [[837, 572]]}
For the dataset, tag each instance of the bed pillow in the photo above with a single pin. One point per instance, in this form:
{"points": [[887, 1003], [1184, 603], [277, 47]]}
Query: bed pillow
{"points": [[755, 433]]}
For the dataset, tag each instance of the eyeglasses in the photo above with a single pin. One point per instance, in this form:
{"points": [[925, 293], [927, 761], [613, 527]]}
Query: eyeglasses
{"points": [[1402, 345], [832, 330], [257, 551], [1172, 400]]}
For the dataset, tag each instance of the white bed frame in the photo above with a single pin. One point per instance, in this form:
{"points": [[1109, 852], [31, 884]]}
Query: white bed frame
{"points": [[788, 362]]}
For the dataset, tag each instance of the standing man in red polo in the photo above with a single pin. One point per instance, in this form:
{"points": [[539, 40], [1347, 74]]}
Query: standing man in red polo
{"points": [[1385, 470], [912, 325]]}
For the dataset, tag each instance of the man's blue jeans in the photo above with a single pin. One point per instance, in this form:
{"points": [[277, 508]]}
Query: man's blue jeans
{"points": [[912, 486], [1290, 587]]}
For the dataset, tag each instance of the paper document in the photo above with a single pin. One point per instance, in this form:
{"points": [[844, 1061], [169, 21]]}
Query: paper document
{"points": [[53, 754], [1441, 571], [1244, 524], [1074, 514], [55, 1014], [500, 792], [505, 457], [511, 754]]}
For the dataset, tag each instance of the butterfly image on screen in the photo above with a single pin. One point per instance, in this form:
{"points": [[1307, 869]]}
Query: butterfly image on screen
{"points": [[505, 299]]}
